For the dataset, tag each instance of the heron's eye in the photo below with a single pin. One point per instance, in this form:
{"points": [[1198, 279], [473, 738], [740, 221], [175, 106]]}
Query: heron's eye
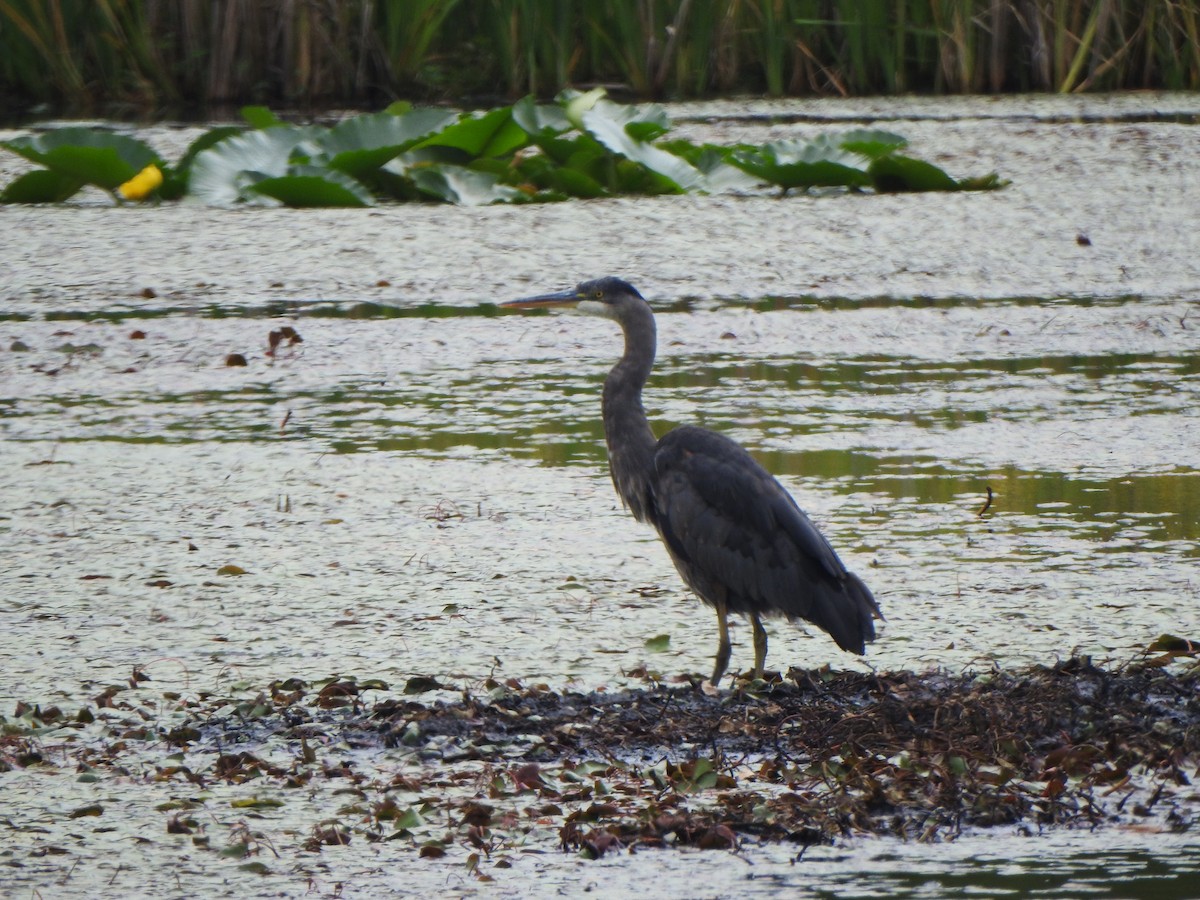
{"points": [[599, 295]]}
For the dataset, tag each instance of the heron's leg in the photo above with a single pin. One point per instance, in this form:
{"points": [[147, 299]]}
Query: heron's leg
{"points": [[760, 645], [723, 648]]}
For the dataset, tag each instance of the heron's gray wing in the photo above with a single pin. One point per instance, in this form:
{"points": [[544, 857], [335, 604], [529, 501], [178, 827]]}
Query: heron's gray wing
{"points": [[736, 533]]}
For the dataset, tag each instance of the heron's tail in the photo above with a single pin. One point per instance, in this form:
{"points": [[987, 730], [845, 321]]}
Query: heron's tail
{"points": [[849, 615]]}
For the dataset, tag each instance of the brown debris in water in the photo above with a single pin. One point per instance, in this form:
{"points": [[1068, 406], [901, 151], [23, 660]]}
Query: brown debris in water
{"points": [[811, 758], [826, 754]]}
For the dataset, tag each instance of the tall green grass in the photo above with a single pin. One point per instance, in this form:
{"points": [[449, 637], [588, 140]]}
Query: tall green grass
{"points": [[148, 54]]}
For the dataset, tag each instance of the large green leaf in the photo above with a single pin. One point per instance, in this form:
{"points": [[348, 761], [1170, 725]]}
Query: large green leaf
{"points": [[87, 154], [260, 117], [541, 171], [364, 143], [575, 183], [225, 174], [466, 187], [41, 186], [312, 186], [712, 162], [175, 181], [609, 124], [493, 133], [894, 174], [796, 164], [540, 120], [870, 142]]}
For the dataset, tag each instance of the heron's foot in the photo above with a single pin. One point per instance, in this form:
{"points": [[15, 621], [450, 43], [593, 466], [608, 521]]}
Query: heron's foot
{"points": [[719, 668]]}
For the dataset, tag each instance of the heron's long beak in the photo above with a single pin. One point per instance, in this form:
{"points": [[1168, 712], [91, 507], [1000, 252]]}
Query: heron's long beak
{"points": [[561, 298]]}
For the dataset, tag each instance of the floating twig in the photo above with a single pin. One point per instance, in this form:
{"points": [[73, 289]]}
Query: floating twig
{"points": [[987, 503]]}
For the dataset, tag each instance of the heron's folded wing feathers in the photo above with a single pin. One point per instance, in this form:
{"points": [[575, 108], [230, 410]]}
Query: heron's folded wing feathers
{"points": [[732, 527]]}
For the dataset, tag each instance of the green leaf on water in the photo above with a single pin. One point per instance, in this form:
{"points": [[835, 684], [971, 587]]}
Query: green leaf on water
{"points": [[260, 117], [363, 144], [313, 186], [659, 643], [870, 142], [231, 570], [466, 187], [493, 133], [175, 181], [226, 173], [408, 820], [796, 164], [256, 803], [617, 127], [896, 174], [89, 155], [178, 803], [712, 162], [540, 120], [41, 186]]}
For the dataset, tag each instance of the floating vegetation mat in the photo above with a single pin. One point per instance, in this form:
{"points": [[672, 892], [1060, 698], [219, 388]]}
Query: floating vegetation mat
{"points": [[508, 768]]}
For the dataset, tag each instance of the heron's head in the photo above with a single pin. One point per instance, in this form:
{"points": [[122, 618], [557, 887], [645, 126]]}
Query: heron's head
{"points": [[605, 297]]}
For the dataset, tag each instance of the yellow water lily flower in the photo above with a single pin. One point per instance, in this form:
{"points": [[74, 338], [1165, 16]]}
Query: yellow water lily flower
{"points": [[141, 185]]}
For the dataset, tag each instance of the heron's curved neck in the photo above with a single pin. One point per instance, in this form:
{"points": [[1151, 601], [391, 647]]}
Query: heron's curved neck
{"points": [[631, 442]]}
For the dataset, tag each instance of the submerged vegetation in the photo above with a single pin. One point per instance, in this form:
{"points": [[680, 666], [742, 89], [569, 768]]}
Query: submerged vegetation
{"points": [[145, 55], [487, 772], [583, 146]]}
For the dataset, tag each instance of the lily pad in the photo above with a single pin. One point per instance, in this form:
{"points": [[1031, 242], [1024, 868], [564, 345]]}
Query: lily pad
{"points": [[894, 174], [365, 143], [175, 181], [540, 119], [872, 143], [260, 117], [467, 187], [800, 164], [92, 156], [227, 172], [617, 127], [493, 133], [659, 643], [313, 186], [41, 186], [712, 162]]}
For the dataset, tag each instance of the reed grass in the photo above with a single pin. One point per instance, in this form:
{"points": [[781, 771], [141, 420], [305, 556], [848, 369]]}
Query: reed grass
{"points": [[87, 55]]}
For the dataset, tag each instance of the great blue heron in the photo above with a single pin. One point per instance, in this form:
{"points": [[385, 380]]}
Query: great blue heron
{"points": [[737, 537]]}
